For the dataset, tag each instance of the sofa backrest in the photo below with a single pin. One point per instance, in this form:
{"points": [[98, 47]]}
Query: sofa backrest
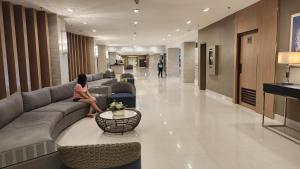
{"points": [[97, 76], [36, 99], [10, 108], [62, 92]]}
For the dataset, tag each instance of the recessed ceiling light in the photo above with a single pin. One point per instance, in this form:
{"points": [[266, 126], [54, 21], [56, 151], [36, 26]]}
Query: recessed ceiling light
{"points": [[136, 11], [94, 30], [188, 22], [206, 9], [135, 22], [169, 35], [177, 30], [164, 39], [85, 23], [69, 9]]}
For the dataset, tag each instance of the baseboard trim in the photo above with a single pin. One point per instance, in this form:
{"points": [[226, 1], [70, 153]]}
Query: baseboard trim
{"points": [[218, 95]]}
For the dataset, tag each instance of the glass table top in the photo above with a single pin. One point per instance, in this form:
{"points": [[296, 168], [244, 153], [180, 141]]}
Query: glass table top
{"points": [[109, 115]]}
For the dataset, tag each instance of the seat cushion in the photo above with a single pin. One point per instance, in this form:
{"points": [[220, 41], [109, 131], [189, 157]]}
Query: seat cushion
{"points": [[29, 119], [36, 99], [66, 107], [62, 92], [122, 95], [10, 108], [29, 128]]}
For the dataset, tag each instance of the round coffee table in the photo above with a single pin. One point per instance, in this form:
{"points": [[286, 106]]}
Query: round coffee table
{"points": [[108, 122]]}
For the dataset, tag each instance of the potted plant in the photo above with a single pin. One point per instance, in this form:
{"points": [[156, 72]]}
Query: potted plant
{"points": [[117, 108]]}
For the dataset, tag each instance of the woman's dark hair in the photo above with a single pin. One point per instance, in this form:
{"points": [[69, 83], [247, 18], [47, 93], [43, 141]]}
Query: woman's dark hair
{"points": [[82, 79]]}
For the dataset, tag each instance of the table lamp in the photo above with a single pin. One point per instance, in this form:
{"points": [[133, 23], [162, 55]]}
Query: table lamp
{"points": [[290, 59]]}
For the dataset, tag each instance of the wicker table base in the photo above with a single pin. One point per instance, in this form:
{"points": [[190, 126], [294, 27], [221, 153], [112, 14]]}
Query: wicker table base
{"points": [[119, 124]]}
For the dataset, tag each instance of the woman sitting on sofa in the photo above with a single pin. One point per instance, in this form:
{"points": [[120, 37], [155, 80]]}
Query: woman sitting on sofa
{"points": [[82, 94]]}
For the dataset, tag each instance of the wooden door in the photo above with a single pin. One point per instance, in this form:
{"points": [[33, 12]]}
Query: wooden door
{"points": [[248, 70]]}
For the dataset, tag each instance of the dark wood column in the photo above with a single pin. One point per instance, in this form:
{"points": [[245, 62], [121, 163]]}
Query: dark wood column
{"points": [[4, 79], [11, 47], [33, 49], [45, 62], [22, 47]]}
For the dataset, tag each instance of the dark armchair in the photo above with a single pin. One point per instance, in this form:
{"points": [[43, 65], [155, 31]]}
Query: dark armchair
{"points": [[127, 77], [124, 92]]}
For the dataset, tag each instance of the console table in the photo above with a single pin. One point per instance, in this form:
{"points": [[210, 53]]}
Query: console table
{"points": [[291, 91]]}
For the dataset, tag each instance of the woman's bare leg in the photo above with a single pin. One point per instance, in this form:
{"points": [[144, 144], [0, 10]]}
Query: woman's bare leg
{"points": [[90, 113]]}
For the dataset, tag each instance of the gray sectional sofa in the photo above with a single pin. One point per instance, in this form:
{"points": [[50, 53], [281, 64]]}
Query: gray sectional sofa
{"points": [[31, 121]]}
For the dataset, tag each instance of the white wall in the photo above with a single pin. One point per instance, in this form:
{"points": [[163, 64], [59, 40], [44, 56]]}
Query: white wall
{"points": [[173, 61], [102, 65], [58, 49], [188, 62]]}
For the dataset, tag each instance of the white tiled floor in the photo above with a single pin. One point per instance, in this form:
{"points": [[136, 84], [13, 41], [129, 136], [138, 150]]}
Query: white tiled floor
{"points": [[183, 128]]}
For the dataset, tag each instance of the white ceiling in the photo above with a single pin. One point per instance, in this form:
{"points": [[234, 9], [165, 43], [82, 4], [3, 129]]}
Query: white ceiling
{"points": [[113, 19]]}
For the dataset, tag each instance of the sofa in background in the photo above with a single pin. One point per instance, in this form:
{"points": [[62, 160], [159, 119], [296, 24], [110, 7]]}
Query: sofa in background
{"points": [[123, 92], [31, 121]]}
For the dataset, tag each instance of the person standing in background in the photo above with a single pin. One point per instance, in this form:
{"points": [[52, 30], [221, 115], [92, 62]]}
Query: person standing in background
{"points": [[160, 67]]}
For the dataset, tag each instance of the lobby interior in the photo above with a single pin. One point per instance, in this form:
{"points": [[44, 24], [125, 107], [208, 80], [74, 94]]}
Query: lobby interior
{"points": [[228, 98]]}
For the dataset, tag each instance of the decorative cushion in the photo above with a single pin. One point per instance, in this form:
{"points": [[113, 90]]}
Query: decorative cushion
{"points": [[10, 108], [89, 78], [97, 76], [36, 99], [62, 92]]}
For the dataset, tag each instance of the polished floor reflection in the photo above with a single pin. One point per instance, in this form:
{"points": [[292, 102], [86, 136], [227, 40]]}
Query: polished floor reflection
{"points": [[184, 128]]}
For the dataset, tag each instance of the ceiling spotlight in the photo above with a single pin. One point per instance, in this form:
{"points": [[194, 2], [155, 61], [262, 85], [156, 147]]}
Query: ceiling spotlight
{"points": [[177, 30], [69, 9], [164, 39], [85, 23], [136, 11], [135, 22], [206, 9], [169, 35], [188, 22], [94, 30]]}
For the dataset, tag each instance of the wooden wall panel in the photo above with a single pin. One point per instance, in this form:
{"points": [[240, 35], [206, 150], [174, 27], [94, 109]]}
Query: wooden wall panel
{"points": [[45, 61], [80, 50], [77, 54], [88, 46], [4, 79], [22, 47], [11, 47], [84, 54], [33, 48], [268, 50], [69, 57], [261, 16], [73, 56]]}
